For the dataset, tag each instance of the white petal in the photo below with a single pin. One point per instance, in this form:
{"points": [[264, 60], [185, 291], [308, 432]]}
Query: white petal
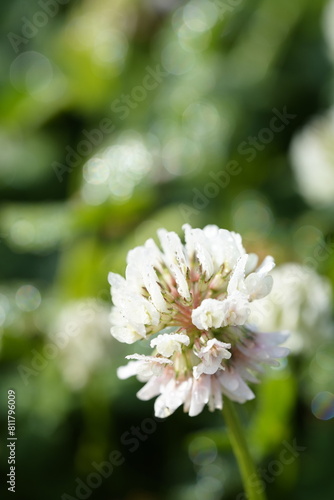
{"points": [[211, 231], [150, 389], [216, 400], [258, 286], [173, 249], [140, 273], [251, 262], [155, 254], [236, 282], [137, 310], [115, 280], [144, 367], [197, 243], [200, 395], [236, 310], [198, 370], [228, 248], [214, 343], [149, 359], [211, 355], [267, 265], [175, 259], [128, 370], [174, 395], [167, 343], [210, 314], [125, 334]]}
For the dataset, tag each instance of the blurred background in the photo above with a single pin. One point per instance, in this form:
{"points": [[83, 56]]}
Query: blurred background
{"points": [[118, 117]]}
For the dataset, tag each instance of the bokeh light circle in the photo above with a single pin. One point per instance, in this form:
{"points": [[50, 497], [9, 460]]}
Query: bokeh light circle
{"points": [[4, 309], [251, 215], [175, 60], [31, 72], [28, 298], [22, 233], [323, 405], [202, 451], [96, 171]]}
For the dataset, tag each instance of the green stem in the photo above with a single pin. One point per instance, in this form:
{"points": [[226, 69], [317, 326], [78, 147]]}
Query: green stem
{"points": [[252, 482]]}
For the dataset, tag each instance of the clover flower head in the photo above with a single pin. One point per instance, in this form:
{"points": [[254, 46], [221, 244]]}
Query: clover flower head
{"points": [[194, 300]]}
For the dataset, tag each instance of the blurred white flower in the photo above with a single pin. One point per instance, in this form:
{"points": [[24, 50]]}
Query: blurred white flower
{"points": [[81, 332], [312, 157], [202, 290], [327, 26], [301, 302]]}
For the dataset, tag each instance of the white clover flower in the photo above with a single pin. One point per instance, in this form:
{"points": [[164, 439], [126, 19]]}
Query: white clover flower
{"points": [[301, 302], [203, 291], [79, 353], [312, 158]]}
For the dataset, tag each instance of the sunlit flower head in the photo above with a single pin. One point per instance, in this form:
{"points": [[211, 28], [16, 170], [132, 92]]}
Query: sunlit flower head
{"points": [[196, 296]]}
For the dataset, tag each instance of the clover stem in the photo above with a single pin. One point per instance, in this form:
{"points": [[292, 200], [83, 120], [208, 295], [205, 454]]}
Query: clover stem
{"points": [[250, 478]]}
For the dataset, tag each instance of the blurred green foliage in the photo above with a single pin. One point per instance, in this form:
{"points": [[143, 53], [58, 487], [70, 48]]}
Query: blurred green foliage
{"points": [[117, 118]]}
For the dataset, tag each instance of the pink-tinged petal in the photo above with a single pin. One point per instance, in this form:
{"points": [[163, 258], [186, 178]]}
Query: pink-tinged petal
{"points": [[245, 371], [229, 380], [216, 399], [173, 396], [273, 338], [151, 389], [240, 392], [279, 352], [211, 355]]}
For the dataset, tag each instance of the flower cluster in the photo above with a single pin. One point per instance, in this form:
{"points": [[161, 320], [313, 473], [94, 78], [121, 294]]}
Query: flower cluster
{"points": [[196, 296]]}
